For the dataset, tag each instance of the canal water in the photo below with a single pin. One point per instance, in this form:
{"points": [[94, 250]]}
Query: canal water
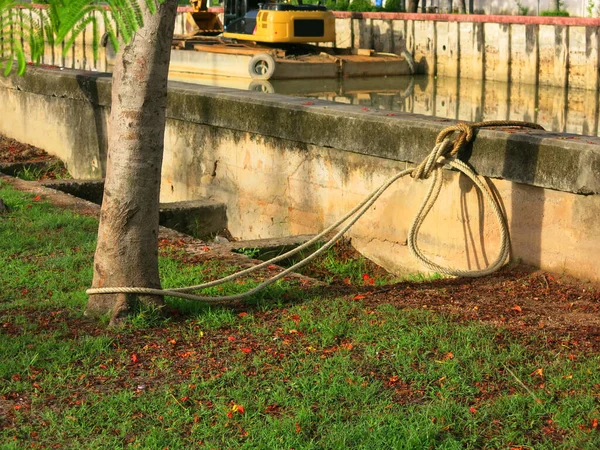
{"points": [[556, 109]]}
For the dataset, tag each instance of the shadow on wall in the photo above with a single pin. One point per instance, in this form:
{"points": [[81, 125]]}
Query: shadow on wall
{"points": [[526, 203], [92, 148], [525, 209]]}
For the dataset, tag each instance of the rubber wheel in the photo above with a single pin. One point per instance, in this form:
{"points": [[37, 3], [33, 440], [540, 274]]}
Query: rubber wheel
{"points": [[261, 86], [261, 67]]}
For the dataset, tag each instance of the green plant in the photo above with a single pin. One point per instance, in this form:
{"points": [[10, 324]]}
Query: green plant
{"points": [[249, 252], [523, 10], [29, 173], [61, 23], [558, 11], [590, 8], [361, 6], [54, 170], [337, 5], [555, 13], [394, 6]]}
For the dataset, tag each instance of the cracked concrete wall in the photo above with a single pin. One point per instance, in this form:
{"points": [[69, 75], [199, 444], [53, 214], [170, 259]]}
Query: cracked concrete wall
{"points": [[285, 166]]}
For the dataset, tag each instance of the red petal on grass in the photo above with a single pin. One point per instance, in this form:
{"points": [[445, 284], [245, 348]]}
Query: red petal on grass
{"points": [[242, 314], [134, 358], [246, 349]]}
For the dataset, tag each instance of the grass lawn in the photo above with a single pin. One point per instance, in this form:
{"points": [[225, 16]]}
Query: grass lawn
{"points": [[295, 367]]}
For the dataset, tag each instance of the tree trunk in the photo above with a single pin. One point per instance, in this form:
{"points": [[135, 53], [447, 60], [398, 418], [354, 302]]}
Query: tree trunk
{"points": [[413, 6], [462, 6], [127, 249]]}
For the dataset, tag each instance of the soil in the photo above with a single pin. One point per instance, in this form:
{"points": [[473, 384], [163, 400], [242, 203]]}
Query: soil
{"points": [[12, 151], [518, 298]]}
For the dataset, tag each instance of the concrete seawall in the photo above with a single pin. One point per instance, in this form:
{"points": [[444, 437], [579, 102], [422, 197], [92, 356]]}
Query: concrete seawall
{"points": [[284, 166], [555, 51]]}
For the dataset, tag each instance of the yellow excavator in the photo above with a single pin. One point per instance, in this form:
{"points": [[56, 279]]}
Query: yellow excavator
{"points": [[270, 23]]}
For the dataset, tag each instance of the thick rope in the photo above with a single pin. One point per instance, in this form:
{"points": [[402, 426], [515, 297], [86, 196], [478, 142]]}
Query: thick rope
{"points": [[432, 164]]}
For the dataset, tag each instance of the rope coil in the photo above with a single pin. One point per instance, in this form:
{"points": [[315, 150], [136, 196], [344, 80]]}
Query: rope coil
{"points": [[444, 153]]}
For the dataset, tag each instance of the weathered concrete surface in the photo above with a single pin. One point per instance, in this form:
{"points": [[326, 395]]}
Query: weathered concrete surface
{"points": [[284, 167]]}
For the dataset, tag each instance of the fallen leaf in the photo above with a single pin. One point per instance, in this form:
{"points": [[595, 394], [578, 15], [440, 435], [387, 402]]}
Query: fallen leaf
{"points": [[242, 314], [539, 372], [134, 358], [517, 308], [231, 338], [246, 350]]}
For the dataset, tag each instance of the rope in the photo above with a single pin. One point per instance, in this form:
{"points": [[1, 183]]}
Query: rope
{"points": [[431, 165]]}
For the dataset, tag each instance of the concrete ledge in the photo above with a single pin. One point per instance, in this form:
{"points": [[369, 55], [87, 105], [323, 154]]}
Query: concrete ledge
{"points": [[556, 161], [90, 190], [551, 160], [199, 218]]}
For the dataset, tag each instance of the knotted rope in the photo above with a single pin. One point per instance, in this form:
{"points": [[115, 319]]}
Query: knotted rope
{"points": [[443, 150]]}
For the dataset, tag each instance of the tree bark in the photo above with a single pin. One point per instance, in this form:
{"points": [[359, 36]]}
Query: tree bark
{"points": [[127, 249], [413, 6]]}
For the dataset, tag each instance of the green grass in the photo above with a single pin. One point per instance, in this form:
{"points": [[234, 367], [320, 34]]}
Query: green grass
{"points": [[309, 371], [54, 169]]}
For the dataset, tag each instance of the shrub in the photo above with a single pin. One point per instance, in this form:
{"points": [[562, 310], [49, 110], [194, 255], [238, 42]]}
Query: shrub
{"points": [[337, 5], [555, 12], [393, 6], [361, 6]]}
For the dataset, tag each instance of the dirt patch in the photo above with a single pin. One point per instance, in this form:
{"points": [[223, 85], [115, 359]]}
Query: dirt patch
{"points": [[521, 299], [13, 151]]}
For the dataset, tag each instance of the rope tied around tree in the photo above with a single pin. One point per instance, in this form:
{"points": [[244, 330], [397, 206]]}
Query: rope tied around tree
{"points": [[444, 152]]}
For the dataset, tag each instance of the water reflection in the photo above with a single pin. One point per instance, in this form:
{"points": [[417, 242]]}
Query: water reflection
{"points": [[556, 109]]}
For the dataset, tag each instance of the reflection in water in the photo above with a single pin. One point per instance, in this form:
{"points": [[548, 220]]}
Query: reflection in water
{"points": [[556, 109]]}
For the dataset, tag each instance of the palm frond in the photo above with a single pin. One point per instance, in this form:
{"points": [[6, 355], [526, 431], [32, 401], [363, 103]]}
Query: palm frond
{"points": [[61, 22]]}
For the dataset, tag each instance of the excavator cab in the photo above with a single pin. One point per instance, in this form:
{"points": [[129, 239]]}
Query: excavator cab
{"points": [[278, 23]]}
